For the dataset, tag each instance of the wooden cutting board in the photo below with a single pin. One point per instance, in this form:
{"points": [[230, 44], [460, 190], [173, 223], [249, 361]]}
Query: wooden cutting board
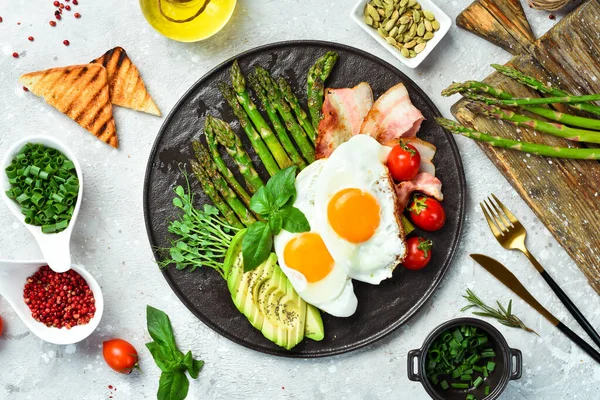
{"points": [[564, 194]]}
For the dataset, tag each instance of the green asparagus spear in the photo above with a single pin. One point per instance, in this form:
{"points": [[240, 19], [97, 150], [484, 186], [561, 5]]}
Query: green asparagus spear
{"points": [[211, 192], [540, 87], [232, 143], [261, 149], [533, 148], [276, 98], [243, 97], [525, 101], [466, 88], [292, 100], [219, 182], [284, 138], [219, 162], [579, 135], [315, 82]]}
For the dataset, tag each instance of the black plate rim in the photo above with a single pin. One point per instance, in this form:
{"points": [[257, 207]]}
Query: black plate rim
{"points": [[348, 348]]}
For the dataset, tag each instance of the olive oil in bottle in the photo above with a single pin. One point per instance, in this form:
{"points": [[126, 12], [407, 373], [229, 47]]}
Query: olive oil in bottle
{"points": [[187, 20]]}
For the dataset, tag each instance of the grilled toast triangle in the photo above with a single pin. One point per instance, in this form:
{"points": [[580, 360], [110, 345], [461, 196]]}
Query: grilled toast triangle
{"points": [[81, 92], [127, 89]]}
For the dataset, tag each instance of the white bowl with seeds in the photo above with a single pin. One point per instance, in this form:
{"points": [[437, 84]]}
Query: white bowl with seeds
{"points": [[409, 29]]}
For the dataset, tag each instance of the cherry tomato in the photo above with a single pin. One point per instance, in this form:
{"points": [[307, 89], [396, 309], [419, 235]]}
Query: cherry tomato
{"points": [[403, 162], [418, 253], [120, 355], [1, 326], [427, 213]]}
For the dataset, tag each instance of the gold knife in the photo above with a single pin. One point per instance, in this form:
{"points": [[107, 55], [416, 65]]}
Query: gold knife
{"points": [[510, 281]]}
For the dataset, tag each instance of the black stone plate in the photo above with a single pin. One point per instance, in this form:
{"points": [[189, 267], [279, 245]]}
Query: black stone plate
{"points": [[382, 308]]}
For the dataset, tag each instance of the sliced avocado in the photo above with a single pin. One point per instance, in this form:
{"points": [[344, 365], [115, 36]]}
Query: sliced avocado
{"points": [[293, 313], [234, 250], [313, 329]]}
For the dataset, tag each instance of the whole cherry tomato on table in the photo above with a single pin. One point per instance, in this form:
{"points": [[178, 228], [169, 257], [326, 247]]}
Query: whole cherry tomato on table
{"points": [[1, 326], [404, 162], [120, 355], [418, 253], [427, 213]]}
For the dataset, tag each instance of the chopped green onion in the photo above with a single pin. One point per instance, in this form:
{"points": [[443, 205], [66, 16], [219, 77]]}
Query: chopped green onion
{"points": [[459, 385], [470, 397], [465, 378], [486, 391], [488, 354], [444, 384], [491, 366], [485, 372]]}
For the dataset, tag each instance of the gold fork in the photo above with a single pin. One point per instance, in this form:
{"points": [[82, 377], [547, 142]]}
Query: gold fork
{"points": [[511, 235]]}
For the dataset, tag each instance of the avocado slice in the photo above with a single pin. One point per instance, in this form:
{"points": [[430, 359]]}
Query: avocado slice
{"points": [[313, 328]]}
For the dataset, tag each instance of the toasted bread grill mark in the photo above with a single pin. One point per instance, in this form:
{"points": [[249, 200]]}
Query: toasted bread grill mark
{"points": [[81, 92], [122, 57]]}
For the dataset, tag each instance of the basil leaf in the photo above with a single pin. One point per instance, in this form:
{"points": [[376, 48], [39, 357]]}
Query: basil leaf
{"points": [[163, 356], [159, 327], [294, 220], [173, 386], [256, 245], [262, 201], [282, 186], [193, 366], [275, 222]]}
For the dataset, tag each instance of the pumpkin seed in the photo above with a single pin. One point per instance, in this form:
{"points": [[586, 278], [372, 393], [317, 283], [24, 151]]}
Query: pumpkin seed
{"points": [[428, 36], [408, 37], [376, 24], [429, 15], [421, 29], [405, 52], [382, 32], [373, 13], [391, 40], [435, 25], [420, 47], [381, 12], [385, 21], [411, 3], [369, 20], [421, 40], [401, 10], [395, 16], [402, 28], [416, 16], [417, 6], [413, 30], [410, 44], [413, 53], [403, 3], [428, 26], [378, 3], [400, 38], [389, 10], [394, 31], [405, 20], [390, 24]]}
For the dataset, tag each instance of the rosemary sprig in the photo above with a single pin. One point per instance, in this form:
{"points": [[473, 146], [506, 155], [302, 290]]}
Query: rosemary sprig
{"points": [[503, 315]]}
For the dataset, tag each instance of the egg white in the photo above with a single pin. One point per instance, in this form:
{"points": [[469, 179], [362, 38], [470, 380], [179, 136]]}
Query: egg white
{"points": [[333, 294], [360, 163]]}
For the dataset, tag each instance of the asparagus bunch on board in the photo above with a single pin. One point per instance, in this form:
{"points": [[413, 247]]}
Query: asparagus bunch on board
{"points": [[232, 143], [276, 98], [259, 146], [291, 98], [525, 101], [533, 148], [207, 164], [243, 97], [579, 135], [282, 134], [218, 160], [540, 87], [468, 88], [315, 85], [211, 192]]}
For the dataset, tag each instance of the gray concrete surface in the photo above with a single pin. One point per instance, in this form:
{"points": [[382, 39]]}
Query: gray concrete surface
{"points": [[110, 238]]}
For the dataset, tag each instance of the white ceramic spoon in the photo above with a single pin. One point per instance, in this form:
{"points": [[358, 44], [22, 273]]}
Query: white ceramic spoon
{"points": [[13, 277], [56, 247]]}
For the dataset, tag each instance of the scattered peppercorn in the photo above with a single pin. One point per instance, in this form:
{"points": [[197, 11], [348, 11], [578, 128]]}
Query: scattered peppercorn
{"points": [[1, 19], [68, 7], [551, 16], [62, 5], [52, 23], [25, 89], [30, 38], [58, 17], [59, 300], [75, 2], [77, 15], [16, 55], [56, 4], [66, 42]]}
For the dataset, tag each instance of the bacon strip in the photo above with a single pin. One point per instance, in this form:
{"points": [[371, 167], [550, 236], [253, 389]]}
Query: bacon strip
{"points": [[343, 114], [392, 116], [424, 183]]}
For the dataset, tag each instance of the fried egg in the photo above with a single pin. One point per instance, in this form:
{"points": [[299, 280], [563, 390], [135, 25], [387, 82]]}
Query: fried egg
{"points": [[355, 207], [305, 259]]}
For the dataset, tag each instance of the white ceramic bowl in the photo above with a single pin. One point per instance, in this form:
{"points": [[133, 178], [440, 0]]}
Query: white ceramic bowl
{"points": [[54, 246], [13, 277], [358, 13]]}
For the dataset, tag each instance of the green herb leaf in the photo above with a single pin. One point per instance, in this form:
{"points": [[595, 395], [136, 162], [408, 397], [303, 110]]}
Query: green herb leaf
{"points": [[275, 222], [262, 201], [173, 386], [193, 366], [163, 356], [159, 327], [283, 186], [294, 221], [256, 245]]}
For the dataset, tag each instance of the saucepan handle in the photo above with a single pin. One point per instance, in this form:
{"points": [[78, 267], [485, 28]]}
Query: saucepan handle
{"points": [[518, 369], [412, 355]]}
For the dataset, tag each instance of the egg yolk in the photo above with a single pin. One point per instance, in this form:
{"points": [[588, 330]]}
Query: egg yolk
{"points": [[353, 215], [307, 254]]}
